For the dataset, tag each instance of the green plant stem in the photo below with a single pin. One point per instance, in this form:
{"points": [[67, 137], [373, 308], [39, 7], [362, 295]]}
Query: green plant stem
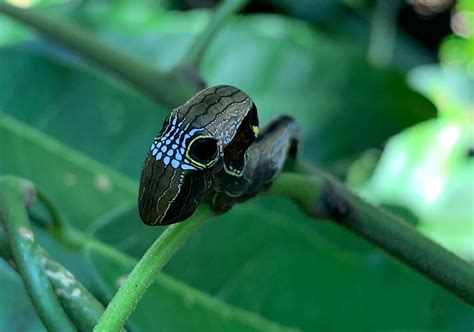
{"points": [[78, 303], [201, 42], [170, 88], [14, 194], [146, 271], [322, 197]]}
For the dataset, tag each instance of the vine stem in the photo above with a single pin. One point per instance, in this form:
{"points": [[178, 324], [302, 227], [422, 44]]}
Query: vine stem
{"points": [[15, 194], [79, 304], [145, 272], [322, 197]]}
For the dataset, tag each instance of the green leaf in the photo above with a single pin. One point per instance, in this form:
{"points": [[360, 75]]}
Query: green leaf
{"points": [[266, 257], [72, 181], [79, 108], [179, 307]]}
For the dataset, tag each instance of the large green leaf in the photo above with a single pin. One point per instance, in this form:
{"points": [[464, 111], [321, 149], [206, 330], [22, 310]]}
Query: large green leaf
{"points": [[79, 187], [276, 262], [171, 305], [79, 109]]}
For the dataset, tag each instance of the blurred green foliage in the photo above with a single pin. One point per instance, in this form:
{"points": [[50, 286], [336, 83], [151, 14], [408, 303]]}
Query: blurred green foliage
{"points": [[429, 168], [80, 136]]}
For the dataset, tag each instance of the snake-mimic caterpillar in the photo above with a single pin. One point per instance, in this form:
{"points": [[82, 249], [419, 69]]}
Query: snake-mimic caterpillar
{"points": [[209, 150]]}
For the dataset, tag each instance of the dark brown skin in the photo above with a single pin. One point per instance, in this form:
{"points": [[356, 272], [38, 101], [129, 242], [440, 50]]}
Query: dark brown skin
{"points": [[209, 151]]}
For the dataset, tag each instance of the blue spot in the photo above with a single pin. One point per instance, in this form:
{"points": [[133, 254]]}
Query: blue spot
{"points": [[186, 167], [178, 156], [163, 148], [166, 160], [174, 163], [158, 156], [170, 153], [155, 151], [181, 150], [174, 146]]}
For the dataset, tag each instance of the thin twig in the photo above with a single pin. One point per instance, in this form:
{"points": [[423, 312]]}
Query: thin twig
{"points": [[14, 193]]}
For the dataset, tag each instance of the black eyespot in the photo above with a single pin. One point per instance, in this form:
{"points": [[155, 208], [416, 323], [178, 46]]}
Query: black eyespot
{"points": [[203, 150]]}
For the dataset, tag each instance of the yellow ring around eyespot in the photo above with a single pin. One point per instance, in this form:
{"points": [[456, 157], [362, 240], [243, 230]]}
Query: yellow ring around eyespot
{"points": [[197, 163]]}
